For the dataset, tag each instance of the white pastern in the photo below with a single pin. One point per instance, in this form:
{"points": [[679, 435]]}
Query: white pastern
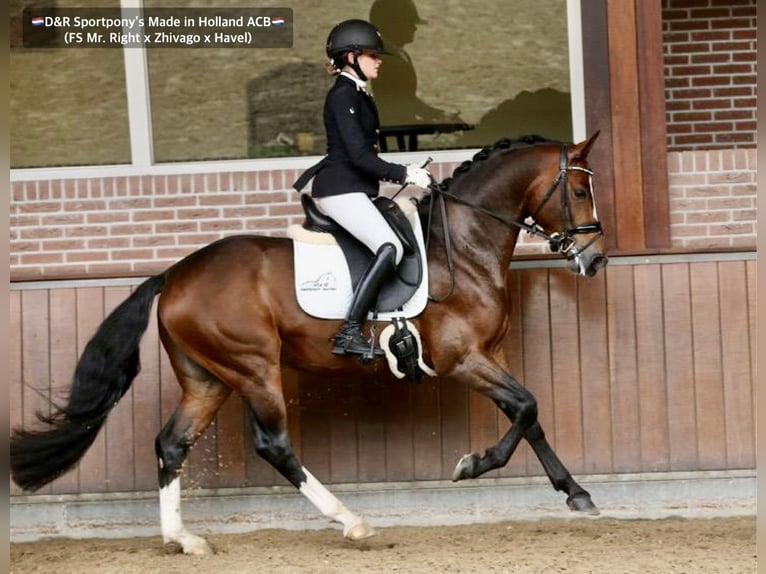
{"points": [[354, 527], [170, 519]]}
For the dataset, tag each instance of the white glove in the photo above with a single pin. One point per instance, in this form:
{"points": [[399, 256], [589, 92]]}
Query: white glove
{"points": [[418, 176]]}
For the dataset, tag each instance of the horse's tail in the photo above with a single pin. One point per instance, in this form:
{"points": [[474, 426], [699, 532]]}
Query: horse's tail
{"points": [[103, 375]]}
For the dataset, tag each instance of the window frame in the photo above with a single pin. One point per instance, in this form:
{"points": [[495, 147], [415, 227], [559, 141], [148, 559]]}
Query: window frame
{"points": [[142, 143]]}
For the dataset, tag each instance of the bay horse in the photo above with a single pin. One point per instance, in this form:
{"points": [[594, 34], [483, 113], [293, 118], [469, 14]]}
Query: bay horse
{"points": [[228, 320]]}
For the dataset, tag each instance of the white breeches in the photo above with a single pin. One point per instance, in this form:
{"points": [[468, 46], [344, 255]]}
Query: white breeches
{"points": [[357, 214]]}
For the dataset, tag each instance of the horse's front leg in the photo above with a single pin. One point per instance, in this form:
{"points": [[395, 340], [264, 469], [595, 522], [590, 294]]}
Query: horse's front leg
{"points": [[520, 406]]}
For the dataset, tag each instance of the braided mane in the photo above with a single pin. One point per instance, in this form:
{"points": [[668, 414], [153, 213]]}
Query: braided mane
{"points": [[489, 152]]}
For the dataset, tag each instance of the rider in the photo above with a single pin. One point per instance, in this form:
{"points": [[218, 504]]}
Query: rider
{"points": [[348, 178]]}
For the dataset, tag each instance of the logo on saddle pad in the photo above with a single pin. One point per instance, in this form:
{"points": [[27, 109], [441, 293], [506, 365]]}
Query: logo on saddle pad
{"points": [[327, 281]]}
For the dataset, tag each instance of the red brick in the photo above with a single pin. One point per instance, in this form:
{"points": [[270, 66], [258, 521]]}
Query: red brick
{"points": [[244, 212], [153, 215], [40, 232], [107, 217], [108, 242], [128, 254], [130, 229], [733, 69], [711, 81], [83, 256], [41, 258], [199, 213], [177, 201], [152, 240]]}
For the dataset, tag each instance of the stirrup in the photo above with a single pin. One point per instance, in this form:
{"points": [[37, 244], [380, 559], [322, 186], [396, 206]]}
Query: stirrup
{"points": [[350, 341]]}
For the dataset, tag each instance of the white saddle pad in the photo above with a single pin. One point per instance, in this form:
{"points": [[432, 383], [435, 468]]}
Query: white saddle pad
{"points": [[322, 279]]}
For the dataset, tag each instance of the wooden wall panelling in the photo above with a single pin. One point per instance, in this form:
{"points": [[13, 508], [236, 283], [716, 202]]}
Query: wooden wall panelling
{"points": [[626, 437], [651, 99], [233, 441], [314, 428], [708, 374], [426, 430], [35, 346], [370, 414], [146, 408], [650, 359], [536, 333], [752, 296], [679, 367], [738, 390], [340, 407], [400, 463], [90, 314], [63, 357], [594, 373], [567, 406], [596, 76], [513, 351], [118, 431], [626, 125], [15, 365], [456, 422]]}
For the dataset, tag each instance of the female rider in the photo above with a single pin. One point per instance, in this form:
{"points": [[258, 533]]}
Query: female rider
{"points": [[348, 178]]}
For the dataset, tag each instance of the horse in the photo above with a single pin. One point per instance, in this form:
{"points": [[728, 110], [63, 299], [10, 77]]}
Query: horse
{"points": [[228, 320]]}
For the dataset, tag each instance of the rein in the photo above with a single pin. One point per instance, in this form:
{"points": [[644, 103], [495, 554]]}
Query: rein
{"points": [[559, 242]]}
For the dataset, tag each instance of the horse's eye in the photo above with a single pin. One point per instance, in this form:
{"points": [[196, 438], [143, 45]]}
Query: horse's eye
{"points": [[580, 193]]}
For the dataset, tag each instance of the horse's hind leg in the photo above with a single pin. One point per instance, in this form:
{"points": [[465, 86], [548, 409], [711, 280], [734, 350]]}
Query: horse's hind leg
{"points": [[269, 424], [203, 395]]}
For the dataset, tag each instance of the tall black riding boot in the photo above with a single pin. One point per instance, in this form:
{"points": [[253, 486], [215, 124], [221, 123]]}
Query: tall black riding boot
{"points": [[350, 340]]}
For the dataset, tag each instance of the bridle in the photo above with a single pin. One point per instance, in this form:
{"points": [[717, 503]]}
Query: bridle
{"points": [[559, 242]]}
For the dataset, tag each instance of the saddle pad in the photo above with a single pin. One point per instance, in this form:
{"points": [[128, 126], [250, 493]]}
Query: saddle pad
{"points": [[323, 282]]}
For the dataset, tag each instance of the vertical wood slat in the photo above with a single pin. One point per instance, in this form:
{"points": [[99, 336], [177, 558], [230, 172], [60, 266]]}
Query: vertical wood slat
{"points": [[35, 358], [679, 367], [735, 345], [567, 404], [15, 372], [536, 335], [63, 356], [651, 99], [596, 77], [623, 369], [513, 351], [118, 430], [594, 369], [708, 374], [146, 408], [90, 314], [629, 200], [650, 358]]}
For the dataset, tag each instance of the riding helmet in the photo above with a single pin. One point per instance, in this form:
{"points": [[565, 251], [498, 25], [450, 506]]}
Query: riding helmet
{"points": [[354, 36]]}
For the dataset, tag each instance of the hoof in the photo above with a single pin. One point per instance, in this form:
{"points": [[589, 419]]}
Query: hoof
{"points": [[582, 503], [360, 531], [194, 545], [465, 468]]}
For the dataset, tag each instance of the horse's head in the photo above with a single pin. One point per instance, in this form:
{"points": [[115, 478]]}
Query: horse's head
{"points": [[561, 202]]}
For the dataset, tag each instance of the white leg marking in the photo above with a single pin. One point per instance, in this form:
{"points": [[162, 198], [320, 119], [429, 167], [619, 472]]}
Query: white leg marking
{"points": [[170, 519], [354, 527]]}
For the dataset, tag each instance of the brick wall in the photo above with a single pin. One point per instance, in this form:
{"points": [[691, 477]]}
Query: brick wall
{"points": [[710, 73], [713, 198], [118, 226]]}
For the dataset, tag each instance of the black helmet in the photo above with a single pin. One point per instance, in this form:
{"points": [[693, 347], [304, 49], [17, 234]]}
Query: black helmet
{"points": [[354, 36]]}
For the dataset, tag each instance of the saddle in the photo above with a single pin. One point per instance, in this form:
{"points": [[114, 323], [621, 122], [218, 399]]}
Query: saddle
{"points": [[409, 273]]}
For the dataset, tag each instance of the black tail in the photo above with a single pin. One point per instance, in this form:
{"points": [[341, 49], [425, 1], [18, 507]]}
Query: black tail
{"points": [[103, 375]]}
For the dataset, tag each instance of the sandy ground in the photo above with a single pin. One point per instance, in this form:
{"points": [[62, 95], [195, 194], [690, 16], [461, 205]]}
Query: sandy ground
{"points": [[693, 546]]}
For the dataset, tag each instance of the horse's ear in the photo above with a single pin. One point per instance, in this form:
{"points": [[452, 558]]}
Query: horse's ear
{"points": [[580, 151]]}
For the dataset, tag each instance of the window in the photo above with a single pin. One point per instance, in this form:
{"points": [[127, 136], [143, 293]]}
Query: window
{"points": [[68, 105], [483, 71]]}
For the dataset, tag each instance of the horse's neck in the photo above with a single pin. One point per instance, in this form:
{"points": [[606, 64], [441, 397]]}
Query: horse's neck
{"points": [[479, 242]]}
